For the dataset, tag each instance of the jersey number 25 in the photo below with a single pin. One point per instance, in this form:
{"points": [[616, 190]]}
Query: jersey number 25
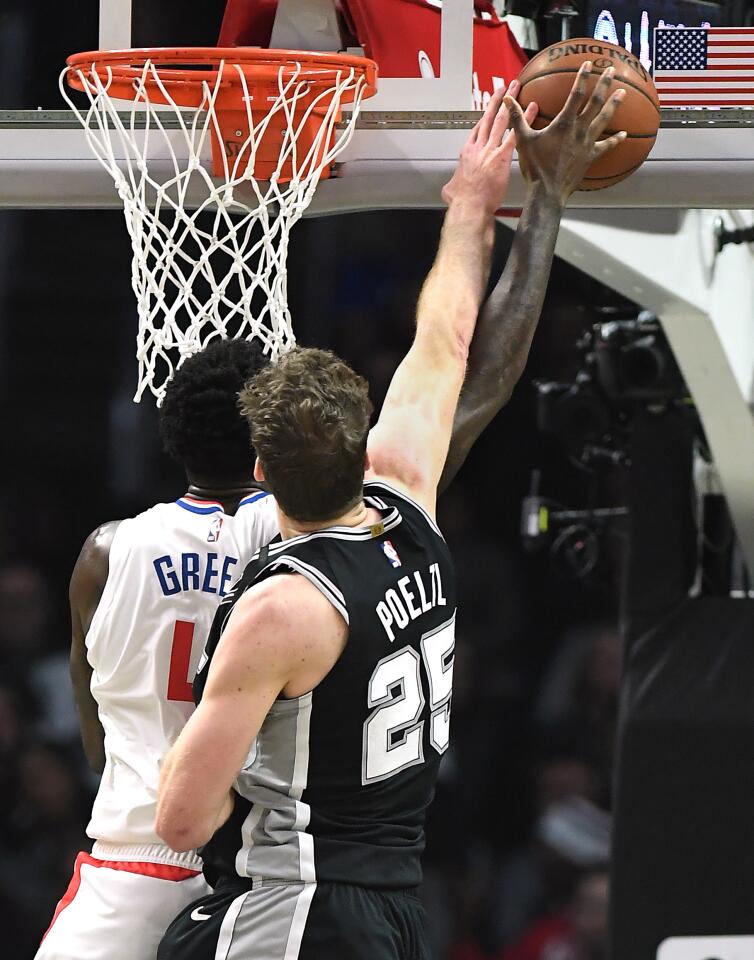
{"points": [[394, 731]]}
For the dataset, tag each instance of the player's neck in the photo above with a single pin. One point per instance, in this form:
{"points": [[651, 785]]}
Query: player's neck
{"points": [[228, 493], [360, 515]]}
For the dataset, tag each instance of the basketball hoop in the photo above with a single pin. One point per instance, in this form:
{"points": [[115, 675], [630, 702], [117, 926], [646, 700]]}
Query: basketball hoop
{"points": [[268, 124]]}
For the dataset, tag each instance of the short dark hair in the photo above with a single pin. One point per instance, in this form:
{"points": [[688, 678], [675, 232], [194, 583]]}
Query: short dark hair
{"points": [[200, 423], [309, 418]]}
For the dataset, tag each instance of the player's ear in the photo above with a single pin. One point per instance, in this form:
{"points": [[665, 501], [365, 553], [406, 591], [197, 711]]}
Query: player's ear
{"points": [[258, 470], [367, 462]]}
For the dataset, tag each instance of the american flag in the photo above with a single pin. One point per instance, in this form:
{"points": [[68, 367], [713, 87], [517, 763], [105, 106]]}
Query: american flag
{"points": [[704, 66]]}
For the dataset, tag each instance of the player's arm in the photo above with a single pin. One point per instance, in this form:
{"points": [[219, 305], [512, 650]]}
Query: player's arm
{"points": [[409, 443], [87, 583], [260, 656], [553, 161]]}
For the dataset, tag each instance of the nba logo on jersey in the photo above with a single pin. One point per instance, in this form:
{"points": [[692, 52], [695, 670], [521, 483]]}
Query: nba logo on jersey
{"points": [[391, 553], [214, 531]]}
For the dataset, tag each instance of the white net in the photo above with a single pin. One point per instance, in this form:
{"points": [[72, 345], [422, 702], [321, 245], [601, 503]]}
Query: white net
{"points": [[209, 252]]}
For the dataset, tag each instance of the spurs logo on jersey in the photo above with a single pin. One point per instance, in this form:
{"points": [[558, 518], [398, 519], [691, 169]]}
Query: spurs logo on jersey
{"points": [[337, 783], [169, 568]]}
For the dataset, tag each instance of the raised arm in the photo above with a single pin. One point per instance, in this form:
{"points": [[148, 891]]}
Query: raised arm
{"points": [[87, 583], [553, 162], [409, 443]]}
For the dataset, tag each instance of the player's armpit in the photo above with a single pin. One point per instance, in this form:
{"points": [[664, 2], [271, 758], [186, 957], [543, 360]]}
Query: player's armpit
{"points": [[87, 583], [282, 638]]}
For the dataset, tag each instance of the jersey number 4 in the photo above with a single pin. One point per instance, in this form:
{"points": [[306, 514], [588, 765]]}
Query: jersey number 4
{"points": [[394, 731], [179, 685]]}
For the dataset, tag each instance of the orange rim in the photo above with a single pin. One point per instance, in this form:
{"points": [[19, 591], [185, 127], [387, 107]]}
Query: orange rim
{"points": [[184, 70]]}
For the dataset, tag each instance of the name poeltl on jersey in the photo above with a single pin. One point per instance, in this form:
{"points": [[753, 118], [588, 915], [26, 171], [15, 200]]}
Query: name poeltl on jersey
{"points": [[403, 604]]}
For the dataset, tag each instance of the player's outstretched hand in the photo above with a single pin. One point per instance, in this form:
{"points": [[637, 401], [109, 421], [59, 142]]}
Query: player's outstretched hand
{"points": [[559, 155], [483, 170]]}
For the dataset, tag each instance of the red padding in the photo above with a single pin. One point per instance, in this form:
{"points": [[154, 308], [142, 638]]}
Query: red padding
{"points": [[247, 23], [395, 33], [498, 59]]}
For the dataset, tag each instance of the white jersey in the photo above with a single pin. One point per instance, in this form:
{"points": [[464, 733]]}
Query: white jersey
{"points": [[169, 568]]}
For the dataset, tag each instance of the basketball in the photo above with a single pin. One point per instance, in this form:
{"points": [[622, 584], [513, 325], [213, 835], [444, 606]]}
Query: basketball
{"points": [[548, 78]]}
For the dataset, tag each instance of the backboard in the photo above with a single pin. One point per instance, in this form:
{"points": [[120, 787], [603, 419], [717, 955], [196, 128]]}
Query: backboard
{"points": [[408, 136]]}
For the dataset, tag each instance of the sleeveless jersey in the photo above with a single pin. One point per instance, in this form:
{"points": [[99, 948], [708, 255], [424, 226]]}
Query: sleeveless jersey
{"points": [[169, 568], [337, 783]]}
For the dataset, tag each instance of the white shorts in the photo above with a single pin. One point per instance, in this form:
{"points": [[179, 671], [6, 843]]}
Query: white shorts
{"points": [[118, 909]]}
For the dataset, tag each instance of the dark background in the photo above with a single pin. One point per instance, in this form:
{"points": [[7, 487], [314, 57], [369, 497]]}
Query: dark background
{"points": [[518, 835]]}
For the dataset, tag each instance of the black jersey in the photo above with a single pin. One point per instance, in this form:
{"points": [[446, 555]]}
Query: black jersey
{"points": [[337, 782]]}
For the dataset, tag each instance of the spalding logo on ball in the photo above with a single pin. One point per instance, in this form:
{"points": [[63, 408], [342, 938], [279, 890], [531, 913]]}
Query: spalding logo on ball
{"points": [[548, 78]]}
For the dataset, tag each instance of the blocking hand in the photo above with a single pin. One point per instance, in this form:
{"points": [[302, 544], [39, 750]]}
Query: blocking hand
{"points": [[560, 154], [483, 170]]}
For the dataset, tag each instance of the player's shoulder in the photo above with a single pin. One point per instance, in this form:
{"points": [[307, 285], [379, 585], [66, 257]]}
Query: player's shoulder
{"points": [[259, 499], [255, 522], [271, 597], [384, 493], [91, 568], [282, 607], [99, 542], [151, 513], [152, 527], [148, 523], [257, 507]]}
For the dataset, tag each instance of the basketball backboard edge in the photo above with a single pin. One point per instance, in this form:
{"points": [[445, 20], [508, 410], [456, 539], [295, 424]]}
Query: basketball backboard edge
{"points": [[406, 144]]}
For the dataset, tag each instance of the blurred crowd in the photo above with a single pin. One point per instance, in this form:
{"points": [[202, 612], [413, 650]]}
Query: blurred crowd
{"points": [[46, 788]]}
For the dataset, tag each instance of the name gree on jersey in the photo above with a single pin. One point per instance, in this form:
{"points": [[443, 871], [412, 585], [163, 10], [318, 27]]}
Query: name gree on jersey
{"points": [[403, 603], [193, 571]]}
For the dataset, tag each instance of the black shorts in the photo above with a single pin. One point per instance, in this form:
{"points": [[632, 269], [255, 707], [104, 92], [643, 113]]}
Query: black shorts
{"points": [[277, 920]]}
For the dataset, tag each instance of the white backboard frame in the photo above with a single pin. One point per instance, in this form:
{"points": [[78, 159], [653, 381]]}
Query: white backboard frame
{"points": [[114, 24]]}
